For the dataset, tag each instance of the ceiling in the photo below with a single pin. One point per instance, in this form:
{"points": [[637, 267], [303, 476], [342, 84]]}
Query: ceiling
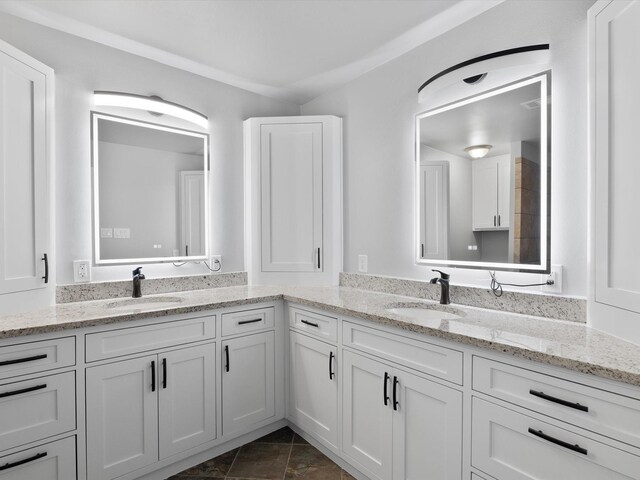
{"points": [[287, 49]]}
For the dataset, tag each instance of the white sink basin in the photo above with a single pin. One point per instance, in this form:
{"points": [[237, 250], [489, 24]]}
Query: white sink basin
{"points": [[144, 303], [426, 312]]}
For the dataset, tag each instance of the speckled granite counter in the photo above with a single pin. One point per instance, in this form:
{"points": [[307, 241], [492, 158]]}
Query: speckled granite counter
{"points": [[554, 342]]}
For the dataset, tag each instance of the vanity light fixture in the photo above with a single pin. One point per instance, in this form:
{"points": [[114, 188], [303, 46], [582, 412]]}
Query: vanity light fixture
{"points": [[151, 104], [478, 151]]}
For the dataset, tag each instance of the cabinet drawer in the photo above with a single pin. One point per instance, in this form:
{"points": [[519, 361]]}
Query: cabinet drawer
{"points": [[315, 324], [35, 409], [609, 414], [247, 321], [51, 461], [506, 444], [125, 341], [34, 357], [431, 359]]}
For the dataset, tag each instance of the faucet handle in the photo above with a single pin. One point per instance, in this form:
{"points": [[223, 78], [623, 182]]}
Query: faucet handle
{"points": [[444, 276], [137, 271]]}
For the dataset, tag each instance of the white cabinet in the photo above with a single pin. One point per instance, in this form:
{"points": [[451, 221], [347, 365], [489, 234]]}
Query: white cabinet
{"points": [[144, 409], [399, 425], [491, 186], [52, 461], [248, 382], [293, 195], [26, 90], [614, 296], [313, 388]]}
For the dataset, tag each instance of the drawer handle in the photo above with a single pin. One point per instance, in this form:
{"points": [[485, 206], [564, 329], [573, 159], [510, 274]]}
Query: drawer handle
{"points": [[396, 403], [23, 360], [226, 354], [386, 395], [24, 390], [164, 373], [544, 396], [311, 324], [555, 441], [331, 374], [153, 375], [7, 466], [244, 322]]}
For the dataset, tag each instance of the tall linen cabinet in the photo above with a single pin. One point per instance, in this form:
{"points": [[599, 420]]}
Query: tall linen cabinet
{"points": [[293, 199]]}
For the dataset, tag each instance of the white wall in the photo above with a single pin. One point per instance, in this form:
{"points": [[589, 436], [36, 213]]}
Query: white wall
{"points": [[379, 110], [81, 67]]}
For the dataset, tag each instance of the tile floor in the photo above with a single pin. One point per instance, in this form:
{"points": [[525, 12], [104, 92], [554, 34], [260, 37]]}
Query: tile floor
{"points": [[281, 455]]}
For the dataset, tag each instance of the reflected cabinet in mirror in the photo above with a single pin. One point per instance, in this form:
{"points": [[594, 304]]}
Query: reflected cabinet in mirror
{"points": [[482, 180], [149, 192]]}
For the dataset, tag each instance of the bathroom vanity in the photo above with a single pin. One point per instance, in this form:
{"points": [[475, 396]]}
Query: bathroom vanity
{"points": [[146, 388]]}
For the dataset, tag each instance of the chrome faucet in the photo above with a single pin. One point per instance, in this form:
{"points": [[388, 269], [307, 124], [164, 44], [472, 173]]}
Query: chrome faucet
{"points": [[137, 277], [443, 280]]}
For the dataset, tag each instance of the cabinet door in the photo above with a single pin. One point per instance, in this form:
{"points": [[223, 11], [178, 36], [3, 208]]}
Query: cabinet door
{"points": [[434, 210], [291, 189], [187, 398], [366, 420], [427, 430], [53, 461], [504, 192], [313, 387], [248, 381], [24, 219], [122, 417], [485, 197]]}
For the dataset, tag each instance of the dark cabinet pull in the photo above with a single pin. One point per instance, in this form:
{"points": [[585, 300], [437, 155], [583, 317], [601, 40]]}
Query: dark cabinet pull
{"points": [[244, 322], [311, 324], [153, 375], [422, 250], [164, 373], [318, 258], [494, 220], [45, 259], [395, 393], [555, 441], [544, 396], [7, 466], [386, 394], [498, 220], [23, 360], [23, 390], [331, 374], [186, 250], [226, 354]]}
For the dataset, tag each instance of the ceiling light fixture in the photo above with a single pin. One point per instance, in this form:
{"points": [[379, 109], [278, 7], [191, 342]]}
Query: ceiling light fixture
{"points": [[478, 151], [150, 104]]}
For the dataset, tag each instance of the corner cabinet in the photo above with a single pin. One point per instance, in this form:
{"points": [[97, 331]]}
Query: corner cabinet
{"points": [[26, 100], [614, 296], [491, 187], [293, 199]]}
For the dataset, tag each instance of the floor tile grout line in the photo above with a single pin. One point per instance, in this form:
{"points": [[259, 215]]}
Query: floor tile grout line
{"points": [[286, 466], [226, 475]]}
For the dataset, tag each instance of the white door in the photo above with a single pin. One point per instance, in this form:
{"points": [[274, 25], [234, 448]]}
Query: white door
{"points": [[434, 210], [617, 171], [122, 417], [187, 398], [291, 193], [248, 381], [367, 409], [484, 180], [504, 191], [313, 387], [52, 461], [24, 193], [193, 232], [427, 430]]}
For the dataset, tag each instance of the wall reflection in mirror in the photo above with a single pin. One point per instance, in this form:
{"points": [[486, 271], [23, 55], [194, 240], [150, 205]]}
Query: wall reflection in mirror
{"points": [[482, 180], [150, 191]]}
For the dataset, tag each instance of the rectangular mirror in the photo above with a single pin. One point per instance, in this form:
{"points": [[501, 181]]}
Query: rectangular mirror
{"points": [[150, 192], [482, 180]]}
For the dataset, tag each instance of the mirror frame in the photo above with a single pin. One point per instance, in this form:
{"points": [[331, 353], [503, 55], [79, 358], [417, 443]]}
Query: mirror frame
{"points": [[544, 266], [95, 195]]}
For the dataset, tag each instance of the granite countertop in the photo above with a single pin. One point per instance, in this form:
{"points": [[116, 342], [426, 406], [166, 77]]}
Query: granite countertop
{"points": [[555, 342]]}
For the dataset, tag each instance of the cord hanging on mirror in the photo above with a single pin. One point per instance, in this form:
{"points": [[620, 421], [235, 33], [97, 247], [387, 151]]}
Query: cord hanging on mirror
{"points": [[215, 260], [496, 286]]}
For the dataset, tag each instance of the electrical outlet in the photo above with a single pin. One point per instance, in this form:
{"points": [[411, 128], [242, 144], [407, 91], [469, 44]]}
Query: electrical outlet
{"points": [[81, 271], [556, 276], [215, 263], [362, 263]]}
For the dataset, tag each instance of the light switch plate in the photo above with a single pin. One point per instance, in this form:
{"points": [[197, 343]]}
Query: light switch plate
{"points": [[81, 271], [106, 232], [362, 263], [121, 233]]}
